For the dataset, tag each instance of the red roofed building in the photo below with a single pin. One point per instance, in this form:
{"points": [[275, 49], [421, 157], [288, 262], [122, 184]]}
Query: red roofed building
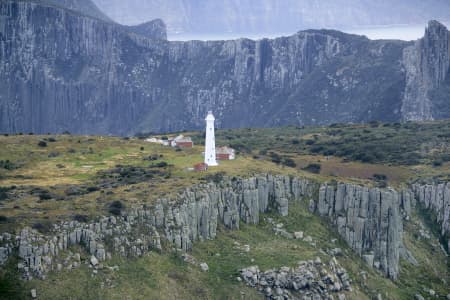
{"points": [[182, 142], [225, 153]]}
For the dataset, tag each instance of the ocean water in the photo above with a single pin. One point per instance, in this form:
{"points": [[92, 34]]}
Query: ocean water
{"points": [[395, 32]]}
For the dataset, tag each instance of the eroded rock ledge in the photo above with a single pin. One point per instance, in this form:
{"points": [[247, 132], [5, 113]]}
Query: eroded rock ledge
{"points": [[369, 219]]}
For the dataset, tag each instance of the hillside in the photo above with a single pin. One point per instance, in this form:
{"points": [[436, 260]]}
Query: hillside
{"points": [[95, 77], [100, 185]]}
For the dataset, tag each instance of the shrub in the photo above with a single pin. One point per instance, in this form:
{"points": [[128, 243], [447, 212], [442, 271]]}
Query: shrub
{"points": [[116, 208], [379, 177], [275, 157], [313, 168], [7, 164], [91, 189], [437, 163], [42, 144], [53, 154], [295, 142], [216, 178], [3, 219], [161, 164], [81, 218], [289, 162], [45, 196], [142, 148], [316, 149], [43, 227], [309, 142]]}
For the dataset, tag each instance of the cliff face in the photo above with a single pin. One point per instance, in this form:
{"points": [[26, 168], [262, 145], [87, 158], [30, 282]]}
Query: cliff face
{"points": [[87, 76], [368, 219], [437, 199], [427, 66], [67, 74]]}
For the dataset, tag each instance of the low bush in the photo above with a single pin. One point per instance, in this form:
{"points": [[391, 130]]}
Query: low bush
{"points": [[42, 144], [313, 168], [289, 162], [7, 165], [116, 207], [43, 227], [81, 218], [379, 176]]}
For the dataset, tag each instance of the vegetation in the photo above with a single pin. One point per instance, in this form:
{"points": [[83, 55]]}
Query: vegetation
{"points": [[93, 176]]}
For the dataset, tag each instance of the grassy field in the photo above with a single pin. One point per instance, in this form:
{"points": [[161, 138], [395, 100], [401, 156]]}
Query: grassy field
{"points": [[48, 178]]}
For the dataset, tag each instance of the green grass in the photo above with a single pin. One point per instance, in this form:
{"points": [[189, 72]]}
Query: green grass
{"points": [[167, 276], [406, 152]]}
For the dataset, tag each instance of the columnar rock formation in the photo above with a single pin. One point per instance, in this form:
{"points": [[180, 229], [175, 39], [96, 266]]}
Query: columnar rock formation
{"points": [[85, 75], [437, 199], [368, 219], [427, 65]]}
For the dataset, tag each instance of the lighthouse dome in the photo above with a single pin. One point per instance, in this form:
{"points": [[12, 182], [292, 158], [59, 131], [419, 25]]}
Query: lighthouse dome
{"points": [[210, 116]]}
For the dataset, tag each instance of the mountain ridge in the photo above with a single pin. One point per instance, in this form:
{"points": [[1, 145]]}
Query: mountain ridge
{"points": [[106, 79], [271, 16]]}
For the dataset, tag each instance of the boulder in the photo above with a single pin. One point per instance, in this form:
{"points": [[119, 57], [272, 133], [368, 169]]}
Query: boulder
{"points": [[94, 261], [204, 267]]}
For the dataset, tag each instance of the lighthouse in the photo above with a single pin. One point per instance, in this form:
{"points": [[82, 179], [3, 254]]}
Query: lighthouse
{"points": [[210, 143]]}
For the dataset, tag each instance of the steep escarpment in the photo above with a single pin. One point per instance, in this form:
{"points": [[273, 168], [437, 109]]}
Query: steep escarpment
{"points": [[84, 75], [64, 72], [367, 219], [436, 197], [427, 66]]}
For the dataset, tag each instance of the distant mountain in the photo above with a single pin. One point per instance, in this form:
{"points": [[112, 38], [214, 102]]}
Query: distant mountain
{"points": [[273, 16], [86, 7], [90, 76]]}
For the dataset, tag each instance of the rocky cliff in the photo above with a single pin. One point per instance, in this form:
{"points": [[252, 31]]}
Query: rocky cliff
{"points": [[436, 197], [427, 66], [84, 75], [367, 219]]}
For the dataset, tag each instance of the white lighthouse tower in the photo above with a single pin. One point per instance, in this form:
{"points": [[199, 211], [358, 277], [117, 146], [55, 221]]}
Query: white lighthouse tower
{"points": [[210, 143]]}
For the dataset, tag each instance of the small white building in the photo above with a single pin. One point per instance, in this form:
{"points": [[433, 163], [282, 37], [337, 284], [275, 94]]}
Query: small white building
{"points": [[182, 142], [225, 153]]}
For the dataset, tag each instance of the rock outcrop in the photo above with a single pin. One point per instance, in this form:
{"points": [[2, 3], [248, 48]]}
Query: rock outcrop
{"points": [[436, 198], [368, 219], [309, 280], [427, 65]]}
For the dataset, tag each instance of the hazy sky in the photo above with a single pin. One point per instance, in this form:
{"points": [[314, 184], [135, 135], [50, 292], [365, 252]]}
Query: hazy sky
{"points": [[211, 19]]}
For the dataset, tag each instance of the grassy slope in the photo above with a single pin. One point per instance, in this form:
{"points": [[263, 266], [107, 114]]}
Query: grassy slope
{"points": [[166, 276]]}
